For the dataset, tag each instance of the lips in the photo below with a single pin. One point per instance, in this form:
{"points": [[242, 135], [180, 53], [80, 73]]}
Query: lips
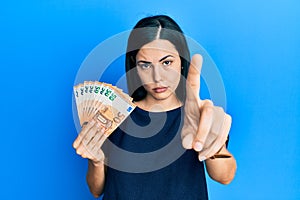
{"points": [[160, 89]]}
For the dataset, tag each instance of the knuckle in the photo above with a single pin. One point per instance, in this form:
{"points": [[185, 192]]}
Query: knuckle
{"points": [[92, 143], [220, 109], [85, 139], [207, 102], [208, 110], [229, 117]]}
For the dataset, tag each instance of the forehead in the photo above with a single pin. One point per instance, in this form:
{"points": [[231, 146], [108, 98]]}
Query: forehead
{"points": [[157, 48]]}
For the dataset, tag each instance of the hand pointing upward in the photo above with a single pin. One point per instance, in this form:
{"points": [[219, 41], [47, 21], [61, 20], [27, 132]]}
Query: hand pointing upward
{"points": [[206, 126]]}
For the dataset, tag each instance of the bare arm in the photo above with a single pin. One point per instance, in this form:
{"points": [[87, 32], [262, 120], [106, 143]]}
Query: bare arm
{"points": [[88, 145], [95, 177]]}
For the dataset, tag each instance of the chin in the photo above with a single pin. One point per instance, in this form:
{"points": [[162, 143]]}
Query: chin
{"points": [[163, 96]]}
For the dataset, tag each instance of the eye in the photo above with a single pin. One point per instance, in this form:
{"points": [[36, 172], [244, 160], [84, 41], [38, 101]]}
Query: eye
{"points": [[144, 65], [167, 62]]}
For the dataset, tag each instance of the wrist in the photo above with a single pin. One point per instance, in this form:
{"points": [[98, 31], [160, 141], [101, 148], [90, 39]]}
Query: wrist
{"points": [[222, 153], [96, 163]]}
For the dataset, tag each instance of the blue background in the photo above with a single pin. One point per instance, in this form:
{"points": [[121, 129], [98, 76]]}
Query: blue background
{"points": [[255, 45]]}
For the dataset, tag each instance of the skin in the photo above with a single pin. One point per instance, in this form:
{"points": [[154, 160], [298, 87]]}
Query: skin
{"points": [[159, 66], [91, 149], [205, 128]]}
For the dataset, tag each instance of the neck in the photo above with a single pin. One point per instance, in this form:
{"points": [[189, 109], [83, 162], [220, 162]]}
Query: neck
{"points": [[159, 105]]}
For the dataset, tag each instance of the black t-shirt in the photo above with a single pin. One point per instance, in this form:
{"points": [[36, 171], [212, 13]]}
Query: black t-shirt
{"points": [[146, 160]]}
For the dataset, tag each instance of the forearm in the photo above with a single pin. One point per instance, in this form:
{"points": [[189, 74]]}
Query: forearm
{"points": [[95, 177], [222, 170]]}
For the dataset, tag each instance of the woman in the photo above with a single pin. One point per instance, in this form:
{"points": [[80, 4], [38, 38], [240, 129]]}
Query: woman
{"points": [[165, 86]]}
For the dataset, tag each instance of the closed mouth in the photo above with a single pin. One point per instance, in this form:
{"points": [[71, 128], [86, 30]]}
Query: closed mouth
{"points": [[160, 89]]}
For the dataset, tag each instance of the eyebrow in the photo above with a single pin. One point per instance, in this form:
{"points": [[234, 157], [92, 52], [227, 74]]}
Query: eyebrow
{"points": [[163, 58]]}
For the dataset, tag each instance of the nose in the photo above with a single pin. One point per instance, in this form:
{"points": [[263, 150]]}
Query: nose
{"points": [[157, 74]]}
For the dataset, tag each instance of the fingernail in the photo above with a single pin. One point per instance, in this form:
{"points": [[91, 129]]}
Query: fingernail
{"points": [[201, 158], [198, 146], [75, 145]]}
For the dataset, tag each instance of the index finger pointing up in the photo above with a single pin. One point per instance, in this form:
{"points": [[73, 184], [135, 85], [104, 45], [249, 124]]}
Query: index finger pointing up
{"points": [[193, 78]]}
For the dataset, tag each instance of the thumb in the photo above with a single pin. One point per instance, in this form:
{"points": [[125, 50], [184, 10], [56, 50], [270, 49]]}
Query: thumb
{"points": [[193, 77]]}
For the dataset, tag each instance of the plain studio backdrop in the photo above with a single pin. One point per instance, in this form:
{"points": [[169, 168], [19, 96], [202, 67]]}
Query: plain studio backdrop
{"points": [[255, 45]]}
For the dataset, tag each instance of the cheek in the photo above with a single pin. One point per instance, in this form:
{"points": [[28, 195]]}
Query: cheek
{"points": [[144, 77], [173, 76]]}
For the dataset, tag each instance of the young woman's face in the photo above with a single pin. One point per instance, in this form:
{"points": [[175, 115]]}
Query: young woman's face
{"points": [[159, 66]]}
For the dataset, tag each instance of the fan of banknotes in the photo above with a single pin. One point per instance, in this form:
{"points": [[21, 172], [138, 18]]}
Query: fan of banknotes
{"points": [[106, 104]]}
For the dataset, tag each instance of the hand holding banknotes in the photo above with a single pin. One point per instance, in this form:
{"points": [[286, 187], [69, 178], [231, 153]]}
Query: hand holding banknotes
{"points": [[206, 126], [101, 109], [89, 141]]}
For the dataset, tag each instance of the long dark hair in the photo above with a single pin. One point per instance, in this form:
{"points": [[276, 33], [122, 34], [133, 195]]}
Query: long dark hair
{"points": [[145, 31]]}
